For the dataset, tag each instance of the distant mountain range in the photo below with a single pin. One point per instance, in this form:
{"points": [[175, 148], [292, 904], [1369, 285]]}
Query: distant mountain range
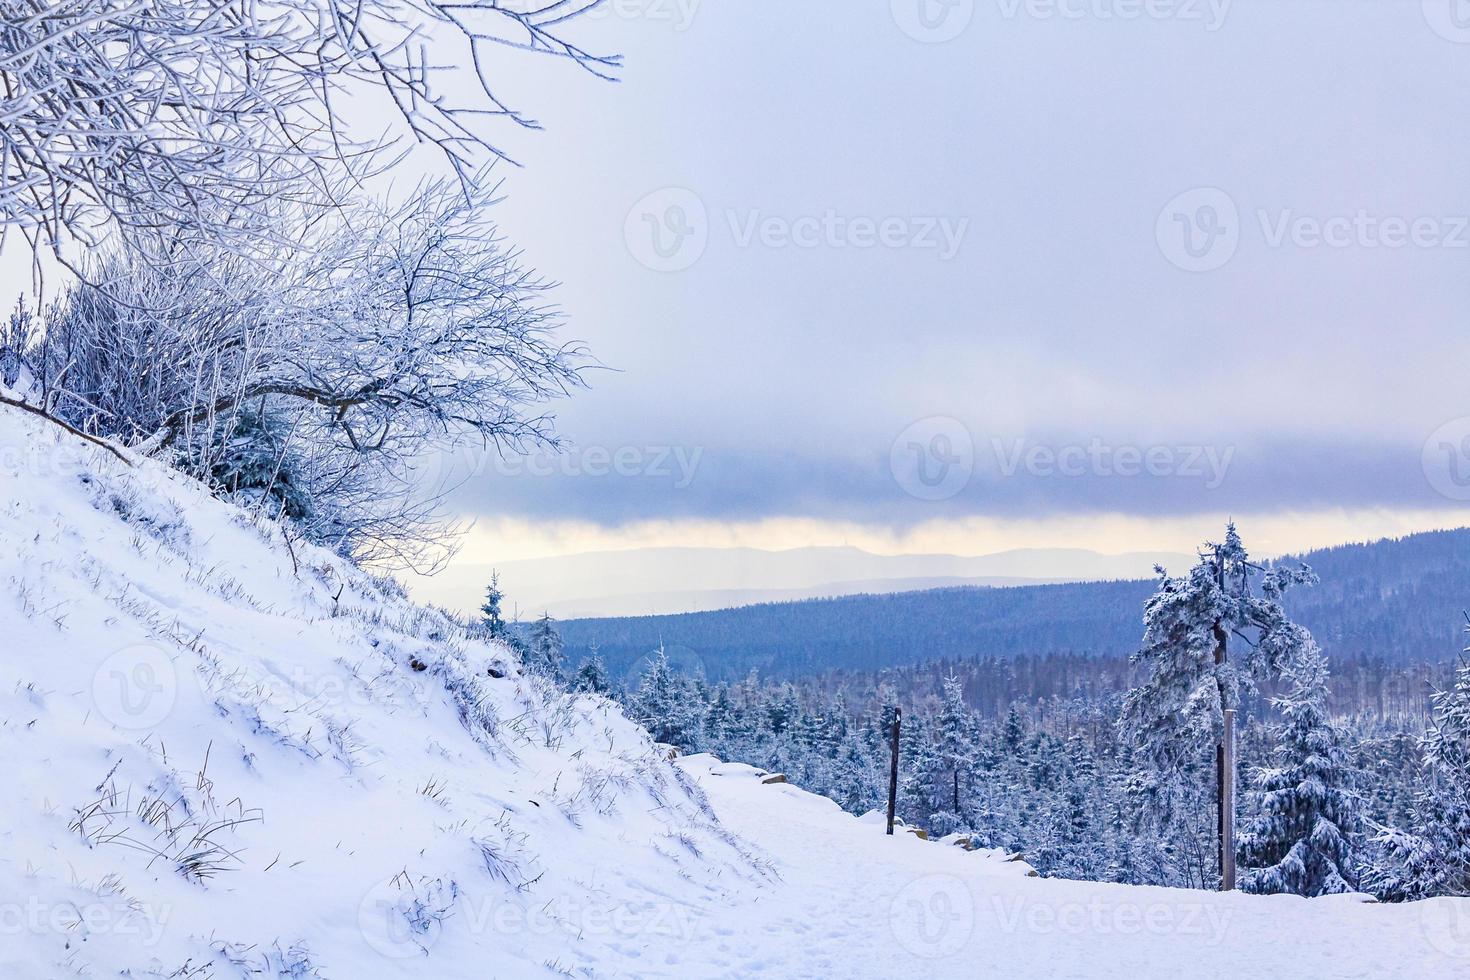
{"points": [[1400, 600], [658, 581]]}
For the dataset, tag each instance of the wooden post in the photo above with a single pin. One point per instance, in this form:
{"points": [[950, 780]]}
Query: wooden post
{"points": [[1224, 761], [893, 770], [1227, 804]]}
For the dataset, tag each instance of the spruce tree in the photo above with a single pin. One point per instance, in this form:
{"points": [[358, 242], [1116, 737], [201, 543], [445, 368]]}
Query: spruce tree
{"points": [[1432, 857], [591, 676], [1179, 709], [492, 621], [1306, 836], [544, 647], [663, 705]]}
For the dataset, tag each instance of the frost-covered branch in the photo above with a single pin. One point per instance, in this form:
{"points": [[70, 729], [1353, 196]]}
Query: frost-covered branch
{"points": [[195, 117]]}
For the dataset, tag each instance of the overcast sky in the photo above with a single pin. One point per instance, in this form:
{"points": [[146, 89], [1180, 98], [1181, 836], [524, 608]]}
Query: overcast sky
{"points": [[962, 276]]}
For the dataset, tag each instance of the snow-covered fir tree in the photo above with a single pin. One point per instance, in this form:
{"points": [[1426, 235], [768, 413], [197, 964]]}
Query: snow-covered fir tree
{"points": [[1432, 856], [1306, 835], [665, 704], [591, 676], [544, 647], [946, 764], [1179, 708], [492, 619]]}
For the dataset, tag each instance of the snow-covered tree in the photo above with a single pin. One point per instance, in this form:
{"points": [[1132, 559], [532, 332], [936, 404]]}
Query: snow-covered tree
{"points": [[1432, 856], [1189, 682], [402, 331], [544, 647], [591, 676], [492, 619], [663, 705], [945, 766], [133, 115], [1307, 832]]}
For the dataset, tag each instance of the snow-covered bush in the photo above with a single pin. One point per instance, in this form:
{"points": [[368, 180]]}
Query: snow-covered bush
{"points": [[307, 384]]}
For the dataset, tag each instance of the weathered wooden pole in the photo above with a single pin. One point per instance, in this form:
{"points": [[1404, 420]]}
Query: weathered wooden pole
{"points": [[1227, 804], [893, 769], [1224, 759]]}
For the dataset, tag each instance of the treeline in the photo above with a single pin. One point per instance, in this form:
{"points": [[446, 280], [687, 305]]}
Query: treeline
{"points": [[1367, 688], [1047, 777], [1397, 601], [1104, 769]]}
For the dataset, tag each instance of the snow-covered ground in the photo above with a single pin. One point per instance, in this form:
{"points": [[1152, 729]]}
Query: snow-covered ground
{"points": [[221, 756], [855, 903]]}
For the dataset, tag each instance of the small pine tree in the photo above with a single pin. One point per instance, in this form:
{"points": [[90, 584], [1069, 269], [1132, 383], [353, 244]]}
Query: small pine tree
{"points": [[591, 676], [492, 620], [1013, 732], [1306, 837], [664, 704], [954, 750], [544, 647]]}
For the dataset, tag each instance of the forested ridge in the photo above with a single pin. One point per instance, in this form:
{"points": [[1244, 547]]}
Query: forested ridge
{"points": [[1398, 601]]}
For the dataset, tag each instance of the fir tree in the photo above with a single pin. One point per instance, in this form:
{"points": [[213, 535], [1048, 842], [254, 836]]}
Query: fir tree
{"points": [[591, 676], [492, 621], [955, 747], [663, 705], [544, 647], [1180, 707], [1306, 837], [1433, 856]]}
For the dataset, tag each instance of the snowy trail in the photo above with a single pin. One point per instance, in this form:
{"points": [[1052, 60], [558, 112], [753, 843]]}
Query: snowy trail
{"points": [[221, 759], [855, 903]]}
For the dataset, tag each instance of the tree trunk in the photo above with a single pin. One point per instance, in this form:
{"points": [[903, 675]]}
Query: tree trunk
{"points": [[893, 770]]}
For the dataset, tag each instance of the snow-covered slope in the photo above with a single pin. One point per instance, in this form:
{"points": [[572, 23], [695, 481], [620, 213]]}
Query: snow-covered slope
{"points": [[223, 756], [220, 760]]}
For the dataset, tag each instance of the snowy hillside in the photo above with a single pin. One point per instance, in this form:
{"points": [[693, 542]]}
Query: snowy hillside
{"points": [[222, 761], [227, 756]]}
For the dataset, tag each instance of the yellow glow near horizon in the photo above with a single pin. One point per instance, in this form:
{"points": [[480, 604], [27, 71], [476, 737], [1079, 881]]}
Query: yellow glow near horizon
{"points": [[511, 539]]}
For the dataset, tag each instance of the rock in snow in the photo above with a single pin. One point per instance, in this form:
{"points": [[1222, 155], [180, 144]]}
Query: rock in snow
{"points": [[223, 760]]}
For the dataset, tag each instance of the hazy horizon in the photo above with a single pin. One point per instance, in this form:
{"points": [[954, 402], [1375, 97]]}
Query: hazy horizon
{"points": [[1140, 275]]}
